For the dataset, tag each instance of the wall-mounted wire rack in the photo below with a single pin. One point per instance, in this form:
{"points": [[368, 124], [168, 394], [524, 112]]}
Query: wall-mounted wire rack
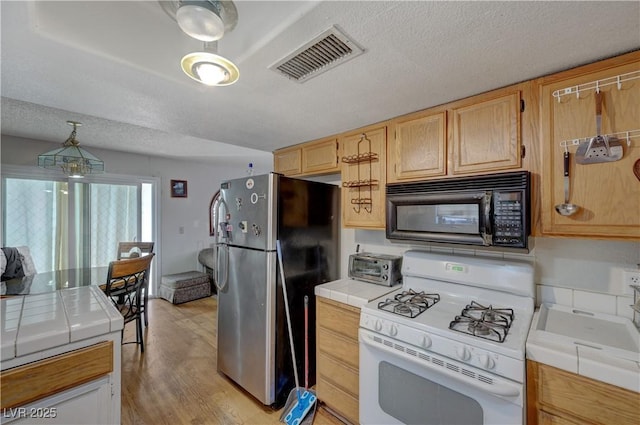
{"points": [[364, 183], [622, 135], [596, 85]]}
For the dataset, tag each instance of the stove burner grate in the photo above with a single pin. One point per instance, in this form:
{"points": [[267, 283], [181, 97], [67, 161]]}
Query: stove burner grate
{"points": [[484, 322], [409, 303]]}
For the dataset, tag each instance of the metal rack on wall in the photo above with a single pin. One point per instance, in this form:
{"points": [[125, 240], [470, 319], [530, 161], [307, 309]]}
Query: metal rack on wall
{"points": [[364, 183]]}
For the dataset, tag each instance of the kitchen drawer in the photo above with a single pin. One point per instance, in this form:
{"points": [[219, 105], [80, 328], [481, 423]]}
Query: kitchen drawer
{"points": [[338, 317], [338, 347], [338, 373], [545, 418], [342, 402], [587, 400], [33, 381]]}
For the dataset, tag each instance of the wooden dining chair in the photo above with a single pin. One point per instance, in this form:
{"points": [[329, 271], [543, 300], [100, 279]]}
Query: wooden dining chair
{"points": [[125, 284], [133, 250]]}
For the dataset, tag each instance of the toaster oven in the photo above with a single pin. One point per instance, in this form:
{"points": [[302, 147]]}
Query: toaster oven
{"points": [[381, 269]]}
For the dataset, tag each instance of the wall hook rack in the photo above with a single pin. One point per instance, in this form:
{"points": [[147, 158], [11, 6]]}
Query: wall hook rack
{"points": [[596, 85], [622, 135]]}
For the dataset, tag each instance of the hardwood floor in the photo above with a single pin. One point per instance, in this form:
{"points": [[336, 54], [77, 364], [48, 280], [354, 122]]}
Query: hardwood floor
{"points": [[175, 381]]}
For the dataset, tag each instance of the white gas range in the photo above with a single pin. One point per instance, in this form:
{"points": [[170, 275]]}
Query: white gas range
{"points": [[449, 346]]}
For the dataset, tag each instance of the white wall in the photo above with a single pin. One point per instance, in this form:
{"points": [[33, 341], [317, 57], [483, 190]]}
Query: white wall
{"points": [[584, 273], [179, 251]]}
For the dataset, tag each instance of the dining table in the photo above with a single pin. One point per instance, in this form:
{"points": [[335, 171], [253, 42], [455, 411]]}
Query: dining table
{"points": [[50, 281]]}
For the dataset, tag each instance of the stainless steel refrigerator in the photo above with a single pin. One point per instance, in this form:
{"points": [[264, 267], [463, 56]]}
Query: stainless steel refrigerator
{"points": [[254, 212]]}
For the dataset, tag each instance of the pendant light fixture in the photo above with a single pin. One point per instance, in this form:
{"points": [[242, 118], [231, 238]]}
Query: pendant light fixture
{"points": [[207, 21], [74, 161]]}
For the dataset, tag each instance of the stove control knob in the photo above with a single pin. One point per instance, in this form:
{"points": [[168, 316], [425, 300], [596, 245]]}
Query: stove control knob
{"points": [[392, 330], [486, 361], [378, 325], [463, 353], [426, 341]]}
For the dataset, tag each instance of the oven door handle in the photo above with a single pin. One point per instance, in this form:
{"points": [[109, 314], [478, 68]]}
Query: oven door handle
{"points": [[498, 390]]}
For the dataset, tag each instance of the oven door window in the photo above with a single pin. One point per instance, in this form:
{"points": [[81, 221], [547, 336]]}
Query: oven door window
{"points": [[439, 218], [419, 395], [366, 268]]}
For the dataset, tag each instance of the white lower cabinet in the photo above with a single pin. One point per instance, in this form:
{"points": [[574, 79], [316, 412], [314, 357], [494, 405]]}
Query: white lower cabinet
{"points": [[79, 386], [90, 403]]}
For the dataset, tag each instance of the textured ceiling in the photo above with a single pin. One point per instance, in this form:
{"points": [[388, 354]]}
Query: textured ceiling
{"points": [[114, 66]]}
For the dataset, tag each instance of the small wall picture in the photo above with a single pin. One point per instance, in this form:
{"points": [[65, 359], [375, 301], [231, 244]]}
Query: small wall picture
{"points": [[178, 188]]}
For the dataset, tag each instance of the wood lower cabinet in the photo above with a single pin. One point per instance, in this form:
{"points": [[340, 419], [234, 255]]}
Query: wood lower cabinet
{"points": [[337, 357], [558, 397], [364, 177], [608, 193], [311, 158], [485, 132]]}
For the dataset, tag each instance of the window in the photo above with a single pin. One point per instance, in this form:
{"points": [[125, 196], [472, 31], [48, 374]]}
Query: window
{"points": [[76, 223]]}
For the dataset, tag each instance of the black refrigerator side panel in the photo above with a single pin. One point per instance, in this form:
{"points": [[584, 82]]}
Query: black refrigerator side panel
{"points": [[309, 233]]}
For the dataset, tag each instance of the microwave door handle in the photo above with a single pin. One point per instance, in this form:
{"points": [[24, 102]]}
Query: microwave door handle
{"points": [[487, 231]]}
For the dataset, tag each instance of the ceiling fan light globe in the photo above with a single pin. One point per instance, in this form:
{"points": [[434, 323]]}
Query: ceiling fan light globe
{"points": [[210, 74], [200, 23], [210, 69]]}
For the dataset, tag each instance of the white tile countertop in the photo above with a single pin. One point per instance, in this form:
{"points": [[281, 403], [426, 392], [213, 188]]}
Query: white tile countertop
{"points": [[353, 292], [595, 345], [34, 323]]}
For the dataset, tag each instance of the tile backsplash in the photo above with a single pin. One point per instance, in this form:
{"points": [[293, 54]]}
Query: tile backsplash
{"points": [[582, 273]]}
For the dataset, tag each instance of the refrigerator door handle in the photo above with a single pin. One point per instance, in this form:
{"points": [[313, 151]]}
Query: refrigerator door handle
{"points": [[222, 224], [222, 279]]}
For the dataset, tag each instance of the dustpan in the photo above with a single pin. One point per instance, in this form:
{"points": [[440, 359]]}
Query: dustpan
{"points": [[300, 407], [599, 148], [292, 400]]}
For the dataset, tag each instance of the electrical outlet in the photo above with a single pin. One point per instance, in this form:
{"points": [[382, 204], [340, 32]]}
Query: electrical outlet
{"points": [[630, 277]]}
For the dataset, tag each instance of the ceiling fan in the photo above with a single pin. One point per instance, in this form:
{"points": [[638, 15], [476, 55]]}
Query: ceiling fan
{"points": [[207, 21]]}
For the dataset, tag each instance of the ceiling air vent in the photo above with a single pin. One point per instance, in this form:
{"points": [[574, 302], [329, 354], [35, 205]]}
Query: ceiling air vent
{"points": [[329, 49]]}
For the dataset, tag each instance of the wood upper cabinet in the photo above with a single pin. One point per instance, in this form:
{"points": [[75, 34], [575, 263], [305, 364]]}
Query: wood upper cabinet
{"points": [[416, 147], [608, 193], [476, 135], [485, 132], [364, 177], [288, 161], [558, 397], [321, 157], [311, 158]]}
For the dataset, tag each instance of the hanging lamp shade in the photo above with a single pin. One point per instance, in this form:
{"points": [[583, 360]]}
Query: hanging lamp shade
{"points": [[74, 161]]}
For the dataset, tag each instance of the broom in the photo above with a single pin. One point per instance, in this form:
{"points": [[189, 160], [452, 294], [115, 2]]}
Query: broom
{"points": [[304, 399]]}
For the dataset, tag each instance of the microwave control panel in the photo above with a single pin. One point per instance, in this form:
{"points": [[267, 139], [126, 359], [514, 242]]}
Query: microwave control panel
{"points": [[509, 227]]}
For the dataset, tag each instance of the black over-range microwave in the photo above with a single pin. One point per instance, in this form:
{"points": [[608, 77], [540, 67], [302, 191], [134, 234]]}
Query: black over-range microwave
{"points": [[489, 210]]}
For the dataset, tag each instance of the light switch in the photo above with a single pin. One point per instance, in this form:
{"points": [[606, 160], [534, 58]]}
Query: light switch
{"points": [[181, 230]]}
